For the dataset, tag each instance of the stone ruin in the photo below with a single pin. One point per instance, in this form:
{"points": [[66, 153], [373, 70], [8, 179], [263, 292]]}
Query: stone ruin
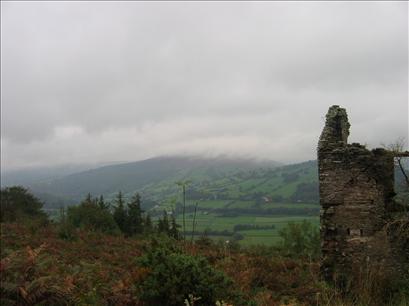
{"points": [[357, 204]]}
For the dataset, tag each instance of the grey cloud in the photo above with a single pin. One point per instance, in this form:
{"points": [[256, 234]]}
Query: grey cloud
{"points": [[131, 80]]}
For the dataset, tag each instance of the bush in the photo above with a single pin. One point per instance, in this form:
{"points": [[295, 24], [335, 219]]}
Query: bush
{"points": [[26, 279], [91, 217], [174, 276], [300, 239], [18, 204]]}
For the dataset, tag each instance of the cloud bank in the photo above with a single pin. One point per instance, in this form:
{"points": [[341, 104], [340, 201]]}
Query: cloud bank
{"points": [[97, 81]]}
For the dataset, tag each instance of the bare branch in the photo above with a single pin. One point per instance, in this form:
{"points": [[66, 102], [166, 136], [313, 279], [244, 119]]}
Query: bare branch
{"points": [[397, 149]]}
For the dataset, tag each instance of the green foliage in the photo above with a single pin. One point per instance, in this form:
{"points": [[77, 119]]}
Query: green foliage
{"points": [[134, 220], [244, 227], [306, 192], [173, 230], [66, 229], [102, 204], [18, 203], [237, 237], [94, 214], [300, 239], [120, 212], [90, 216], [163, 224], [170, 228], [174, 276], [148, 228], [290, 177]]}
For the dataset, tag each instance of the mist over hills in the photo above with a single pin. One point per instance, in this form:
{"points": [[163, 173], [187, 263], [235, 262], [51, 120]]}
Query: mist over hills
{"points": [[132, 176], [217, 183], [31, 175]]}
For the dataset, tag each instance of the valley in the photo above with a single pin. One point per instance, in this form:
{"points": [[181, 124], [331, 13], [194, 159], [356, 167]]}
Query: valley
{"points": [[224, 192]]}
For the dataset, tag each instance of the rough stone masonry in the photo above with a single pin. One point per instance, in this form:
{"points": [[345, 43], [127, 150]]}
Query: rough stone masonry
{"points": [[356, 196]]}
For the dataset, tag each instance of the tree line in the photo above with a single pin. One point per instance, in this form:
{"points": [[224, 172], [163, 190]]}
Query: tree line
{"points": [[93, 213], [119, 215]]}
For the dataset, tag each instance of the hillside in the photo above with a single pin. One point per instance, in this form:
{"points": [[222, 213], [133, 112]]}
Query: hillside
{"points": [[225, 192], [230, 196], [149, 175], [209, 179]]}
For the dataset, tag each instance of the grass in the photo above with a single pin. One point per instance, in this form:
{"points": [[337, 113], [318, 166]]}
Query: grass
{"points": [[287, 189], [232, 204], [289, 205], [241, 204], [261, 236], [212, 204]]}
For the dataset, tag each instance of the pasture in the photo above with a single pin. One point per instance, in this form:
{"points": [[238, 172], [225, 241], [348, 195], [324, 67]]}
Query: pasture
{"points": [[208, 221]]}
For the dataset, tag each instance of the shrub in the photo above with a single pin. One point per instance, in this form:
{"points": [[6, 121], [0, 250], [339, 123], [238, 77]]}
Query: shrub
{"points": [[90, 216], [174, 276], [17, 203], [26, 279], [300, 239]]}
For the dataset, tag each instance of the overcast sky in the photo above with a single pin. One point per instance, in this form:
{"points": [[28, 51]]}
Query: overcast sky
{"points": [[123, 81]]}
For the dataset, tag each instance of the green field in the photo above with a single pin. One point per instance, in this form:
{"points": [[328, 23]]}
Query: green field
{"points": [[212, 204], [266, 237], [260, 236], [209, 205]]}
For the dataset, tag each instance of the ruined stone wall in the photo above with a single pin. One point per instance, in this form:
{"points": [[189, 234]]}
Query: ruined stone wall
{"points": [[356, 189]]}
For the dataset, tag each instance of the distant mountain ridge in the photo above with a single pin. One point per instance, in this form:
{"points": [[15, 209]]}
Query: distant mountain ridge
{"points": [[218, 178], [36, 174], [135, 176]]}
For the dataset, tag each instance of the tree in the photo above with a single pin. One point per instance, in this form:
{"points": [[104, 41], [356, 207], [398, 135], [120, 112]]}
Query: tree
{"points": [[173, 231], [120, 212], [88, 199], [300, 239], [18, 203], [148, 228], [134, 217], [163, 224], [183, 184], [194, 223], [102, 204], [90, 216], [397, 148]]}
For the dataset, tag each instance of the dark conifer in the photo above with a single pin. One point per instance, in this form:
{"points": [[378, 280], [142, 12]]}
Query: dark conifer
{"points": [[163, 224], [120, 214], [173, 231], [102, 204], [148, 226], [134, 218]]}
